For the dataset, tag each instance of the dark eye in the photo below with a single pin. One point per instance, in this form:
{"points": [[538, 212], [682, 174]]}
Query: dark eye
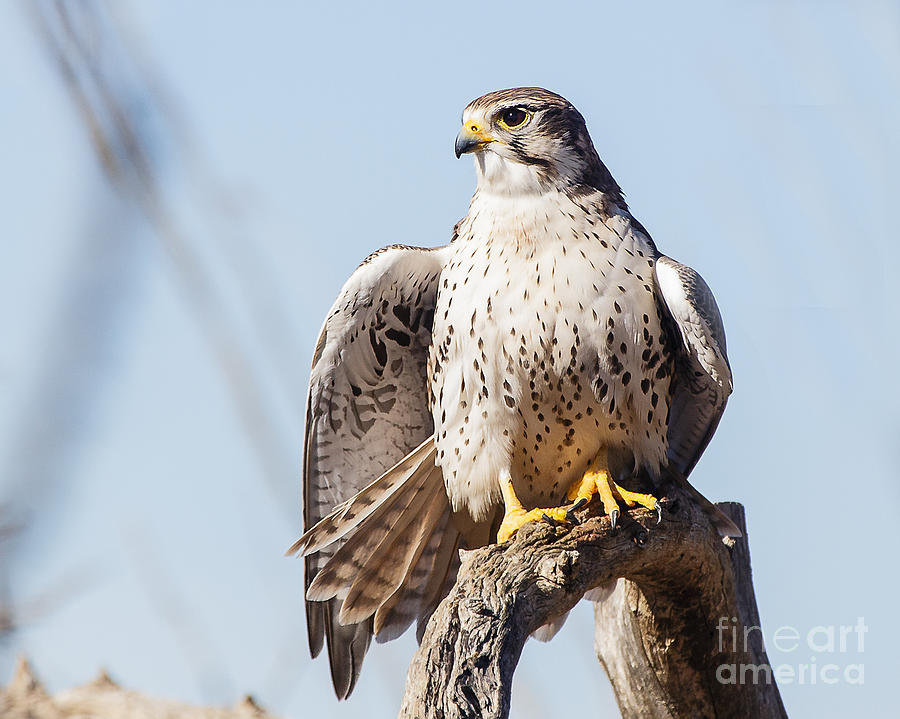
{"points": [[513, 117]]}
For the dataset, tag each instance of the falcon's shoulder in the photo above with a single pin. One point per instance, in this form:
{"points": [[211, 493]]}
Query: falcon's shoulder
{"points": [[702, 381]]}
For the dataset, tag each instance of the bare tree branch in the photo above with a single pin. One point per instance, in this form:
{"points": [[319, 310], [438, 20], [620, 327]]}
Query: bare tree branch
{"points": [[656, 632]]}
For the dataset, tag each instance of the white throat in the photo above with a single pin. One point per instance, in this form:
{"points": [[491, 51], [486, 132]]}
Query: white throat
{"points": [[498, 175]]}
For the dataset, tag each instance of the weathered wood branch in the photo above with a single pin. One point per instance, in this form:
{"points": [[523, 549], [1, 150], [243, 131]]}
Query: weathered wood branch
{"points": [[664, 626]]}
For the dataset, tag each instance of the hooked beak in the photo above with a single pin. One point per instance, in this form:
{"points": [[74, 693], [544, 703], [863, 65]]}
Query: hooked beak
{"points": [[471, 139]]}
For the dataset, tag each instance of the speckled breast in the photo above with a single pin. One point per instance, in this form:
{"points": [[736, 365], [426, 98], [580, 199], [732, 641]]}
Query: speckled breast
{"points": [[548, 344]]}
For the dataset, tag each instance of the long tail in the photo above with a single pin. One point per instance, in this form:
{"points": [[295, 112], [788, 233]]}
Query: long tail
{"points": [[392, 547]]}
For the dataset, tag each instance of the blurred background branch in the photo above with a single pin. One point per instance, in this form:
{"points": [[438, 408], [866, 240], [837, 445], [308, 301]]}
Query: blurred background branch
{"points": [[138, 137], [145, 149]]}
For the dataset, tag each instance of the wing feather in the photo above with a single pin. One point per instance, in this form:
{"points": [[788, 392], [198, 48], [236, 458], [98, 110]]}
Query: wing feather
{"points": [[702, 381], [367, 410]]}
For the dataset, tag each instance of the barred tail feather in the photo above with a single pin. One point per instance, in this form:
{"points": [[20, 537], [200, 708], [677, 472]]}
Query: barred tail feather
{"points": [[392, 516], [438, 587], [382, 559], [347, 647], [409, 600], [348, 515], [387, 568]]}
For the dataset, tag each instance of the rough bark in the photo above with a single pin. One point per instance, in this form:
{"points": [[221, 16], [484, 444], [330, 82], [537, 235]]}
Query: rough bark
{"points": [[664, 589], [26, 698]]}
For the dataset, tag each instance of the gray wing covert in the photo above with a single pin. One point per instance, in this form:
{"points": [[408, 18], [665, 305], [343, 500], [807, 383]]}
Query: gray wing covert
{"points": [[702, 381], [367, 408]]}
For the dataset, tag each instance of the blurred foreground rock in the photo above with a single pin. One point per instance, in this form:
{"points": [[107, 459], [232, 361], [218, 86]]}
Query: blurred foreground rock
{"points": [[25, 698]]}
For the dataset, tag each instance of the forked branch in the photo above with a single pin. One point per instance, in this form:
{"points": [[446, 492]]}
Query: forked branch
{"points": [[670, 591]]}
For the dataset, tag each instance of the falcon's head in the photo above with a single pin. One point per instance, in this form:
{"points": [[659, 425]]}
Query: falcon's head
{"points": [[528, 140]]}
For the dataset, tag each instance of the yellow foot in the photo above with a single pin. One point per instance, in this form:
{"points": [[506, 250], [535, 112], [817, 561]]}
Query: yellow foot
{"points": [[514, 520], [598, 480], [634, 498], [516, 515]]}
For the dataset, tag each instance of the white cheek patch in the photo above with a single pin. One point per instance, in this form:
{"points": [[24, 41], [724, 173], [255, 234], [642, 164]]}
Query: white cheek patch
{"points": [[500, 173]]}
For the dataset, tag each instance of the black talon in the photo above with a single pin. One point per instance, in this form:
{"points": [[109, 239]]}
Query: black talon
{"points": [[548, 520], [613, 517], [570, 512], [658, 508]]}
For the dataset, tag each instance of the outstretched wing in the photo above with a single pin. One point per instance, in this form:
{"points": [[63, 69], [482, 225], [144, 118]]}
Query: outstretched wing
{"points": [[367, 409], [702, 381]]}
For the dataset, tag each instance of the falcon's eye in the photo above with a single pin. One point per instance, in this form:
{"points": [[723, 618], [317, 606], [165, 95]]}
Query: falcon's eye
{"points": [[513, 117]]}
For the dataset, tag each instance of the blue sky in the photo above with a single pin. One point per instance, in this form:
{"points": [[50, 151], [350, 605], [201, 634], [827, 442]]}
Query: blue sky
{"points": [[757, 142]]}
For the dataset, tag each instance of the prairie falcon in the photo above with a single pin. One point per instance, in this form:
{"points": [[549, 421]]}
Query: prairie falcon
{"points": [[544, 355]]}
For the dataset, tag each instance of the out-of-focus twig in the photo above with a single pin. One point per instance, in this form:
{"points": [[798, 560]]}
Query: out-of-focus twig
{"points": [[58, 405], [94, 64], [143, 143], [266, 305]]}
